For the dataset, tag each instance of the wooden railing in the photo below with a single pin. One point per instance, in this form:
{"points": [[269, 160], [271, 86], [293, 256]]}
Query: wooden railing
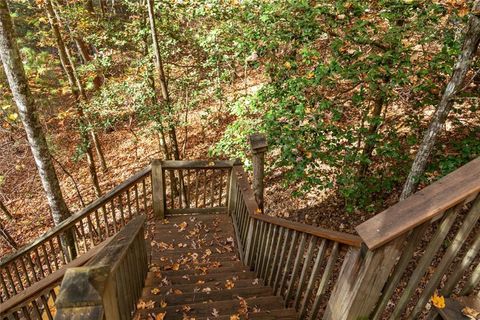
{"points": [[75, 236], [111, 283], [424, 243], [185, 187], [38, 300], [299, 261]]}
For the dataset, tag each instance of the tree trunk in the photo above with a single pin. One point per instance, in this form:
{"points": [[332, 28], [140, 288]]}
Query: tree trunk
{"points": [[17, 80], [5, 235], [7, 213], [469, 48], [163, 81], [371, 142], [78, 91]]}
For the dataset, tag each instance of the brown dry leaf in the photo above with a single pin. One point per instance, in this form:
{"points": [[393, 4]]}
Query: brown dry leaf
{"points": [[186, 309], [177, 291], [155, 291], [200, 281], [182, 226], [471, 313], [160, 316], [150, 304], [215, 313], [234, 317], [175, 266], [163, 304], [229, 284]]}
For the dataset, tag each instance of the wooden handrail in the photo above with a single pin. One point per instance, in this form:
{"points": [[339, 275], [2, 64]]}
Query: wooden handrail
{"points": [[254, 212], [51, 279], [70, 221], [423, 206], [197, 164]]}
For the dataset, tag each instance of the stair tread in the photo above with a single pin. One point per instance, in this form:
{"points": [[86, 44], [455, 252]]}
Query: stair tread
{"points": [[196, 287], [227, 307], [153, 279]]}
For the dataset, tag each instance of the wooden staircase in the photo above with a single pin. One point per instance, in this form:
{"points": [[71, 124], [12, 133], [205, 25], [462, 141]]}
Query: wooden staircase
{"points": [[196, 273], [187, 240]]}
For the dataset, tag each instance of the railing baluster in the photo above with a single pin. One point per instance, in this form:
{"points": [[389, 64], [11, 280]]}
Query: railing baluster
{"points": [[47, 260], [137, 202], [63, 254], [205, 188], [325, 279], [306, 264], [287, 263], [114, 216], [282, 232], [99, 228], [10, 279], [281, 260], [296, 268], [25, 271], [313, 276], [144, 192], [91, 230], [129, 204]]}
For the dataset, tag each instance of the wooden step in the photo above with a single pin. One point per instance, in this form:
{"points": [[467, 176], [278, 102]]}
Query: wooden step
{"points": [[223, 308], [164, 266], [278, 314], [153, 279], [194, 272], [199, 287], [199, 297]]}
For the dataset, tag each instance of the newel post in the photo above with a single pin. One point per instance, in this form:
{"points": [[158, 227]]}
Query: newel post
{"points": [[258, 143], [158, 190]]}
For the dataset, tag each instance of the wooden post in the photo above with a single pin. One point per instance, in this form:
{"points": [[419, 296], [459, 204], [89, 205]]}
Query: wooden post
{"points": [[258, 143], [158, 190]]}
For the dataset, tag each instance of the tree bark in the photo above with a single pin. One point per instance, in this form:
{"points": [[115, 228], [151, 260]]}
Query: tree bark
{"points": [[469, 49], [162, 80], [8, 238], [5, 210], [370, 142], [17, 80], [78, 91]]}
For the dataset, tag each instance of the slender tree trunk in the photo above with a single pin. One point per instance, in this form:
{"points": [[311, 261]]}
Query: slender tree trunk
{"points": [[469, 49], [370, 141], [77, 89], [4, 209], [17, 80], [5, 235], [163, 81]]}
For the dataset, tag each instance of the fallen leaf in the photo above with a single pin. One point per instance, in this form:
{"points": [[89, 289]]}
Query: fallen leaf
{"points": [[215, 313], [438, 300], [155, 291], [160, 316]]}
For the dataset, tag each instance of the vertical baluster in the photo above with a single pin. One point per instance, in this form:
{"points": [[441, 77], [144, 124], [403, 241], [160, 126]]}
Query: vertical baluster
{"points": [[220, 187], [188, 189], [137, 203], [39, 262], [17, 274], [63, 254], [36, 309], [32, 265], [196, 187], [275, 262], [313, 276], [91, 230], [99, 228], [120, 207], [259, 245], [144, 192], [296, 268], [205, 188], [180, 189], [26, 313], [25, 271], [84, 236], [287, 263], [129, 203], [172, 182], [4, 286], [266, 245], [47, 259], [325, 279], [306, 264], [114, 217], [10, 280], [46, 308], [275, 238], [105, 219], [281, 260], [212, 189], [53, 252]]}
